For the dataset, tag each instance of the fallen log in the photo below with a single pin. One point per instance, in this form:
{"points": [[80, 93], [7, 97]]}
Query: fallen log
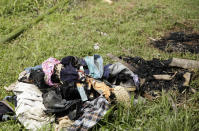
{"points": [[23, 28], [184, 63]]}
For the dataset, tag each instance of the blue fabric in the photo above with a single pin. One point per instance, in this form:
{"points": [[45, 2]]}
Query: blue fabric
{"points": [[95, 66], [69, 72], [106, 71], [33, 68], [82, 62]]}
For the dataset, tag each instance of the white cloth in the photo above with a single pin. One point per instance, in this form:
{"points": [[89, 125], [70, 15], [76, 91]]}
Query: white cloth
{"points": [[30, 107]]}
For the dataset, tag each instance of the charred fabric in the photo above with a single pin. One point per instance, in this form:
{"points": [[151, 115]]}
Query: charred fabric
{"points": [[77, 92]]}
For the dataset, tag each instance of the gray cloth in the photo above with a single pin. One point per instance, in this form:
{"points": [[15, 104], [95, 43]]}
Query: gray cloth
{"points": [[54, 103], [116, 68]]}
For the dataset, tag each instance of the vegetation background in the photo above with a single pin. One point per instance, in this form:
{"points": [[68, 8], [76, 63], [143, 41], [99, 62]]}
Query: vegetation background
{"points": [[123, 28]]}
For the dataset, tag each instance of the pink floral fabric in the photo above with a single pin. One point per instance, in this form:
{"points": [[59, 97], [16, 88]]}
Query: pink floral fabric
{"points": [[48, 69]]}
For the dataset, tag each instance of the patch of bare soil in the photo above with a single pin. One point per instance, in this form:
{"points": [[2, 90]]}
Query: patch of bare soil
{"points": [[178, 42]]}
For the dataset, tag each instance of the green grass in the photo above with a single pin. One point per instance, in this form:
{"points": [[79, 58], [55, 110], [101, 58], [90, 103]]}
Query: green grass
{"points": [[74, 31]]}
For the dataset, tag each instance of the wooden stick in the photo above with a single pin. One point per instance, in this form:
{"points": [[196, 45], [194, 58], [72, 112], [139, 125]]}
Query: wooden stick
{"points": [[162, 77], [187, 77]]}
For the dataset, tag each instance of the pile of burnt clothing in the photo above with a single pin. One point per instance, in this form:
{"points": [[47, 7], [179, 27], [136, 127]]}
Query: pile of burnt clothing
{"points": [[157, 75], [76, 92]]}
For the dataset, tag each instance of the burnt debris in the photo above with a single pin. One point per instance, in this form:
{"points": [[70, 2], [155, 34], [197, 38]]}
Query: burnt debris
{"points": [[178, 42]]}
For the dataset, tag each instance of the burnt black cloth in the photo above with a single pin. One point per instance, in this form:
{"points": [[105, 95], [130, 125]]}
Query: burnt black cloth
{"points": [[37, 77], [121, 79], [54, 102], [4, 110], [69, 91]]}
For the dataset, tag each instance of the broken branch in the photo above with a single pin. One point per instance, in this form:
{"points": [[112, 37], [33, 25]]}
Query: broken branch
{"points": [[162, 77]]}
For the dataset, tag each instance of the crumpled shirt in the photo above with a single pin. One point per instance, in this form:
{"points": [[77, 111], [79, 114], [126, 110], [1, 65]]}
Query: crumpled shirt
{"points": [[48, 69], [30, 108]]}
